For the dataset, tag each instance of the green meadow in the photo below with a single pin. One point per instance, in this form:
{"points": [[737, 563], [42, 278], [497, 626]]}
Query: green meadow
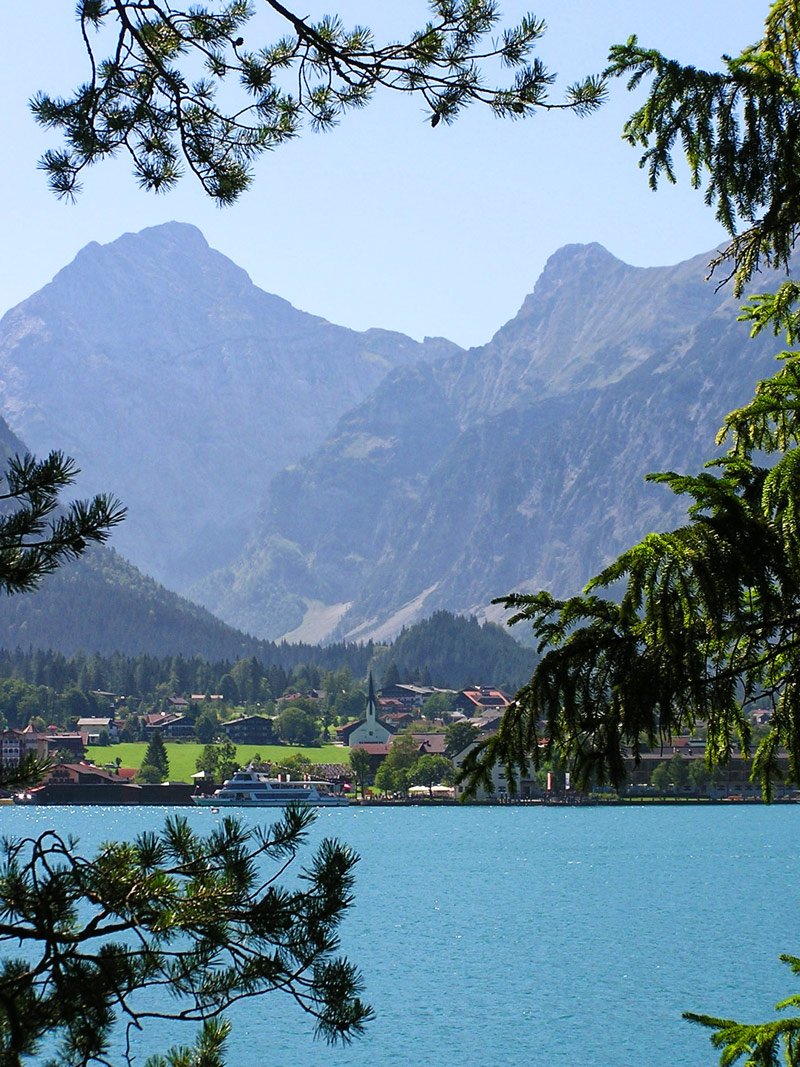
{"points": [[183, 756]]}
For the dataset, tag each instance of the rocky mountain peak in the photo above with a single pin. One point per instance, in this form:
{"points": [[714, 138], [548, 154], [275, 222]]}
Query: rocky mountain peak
{"points": [[182, 387]]}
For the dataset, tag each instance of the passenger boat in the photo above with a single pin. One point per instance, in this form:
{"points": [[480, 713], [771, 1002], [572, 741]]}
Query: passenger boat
{"points": [[251, 789]]}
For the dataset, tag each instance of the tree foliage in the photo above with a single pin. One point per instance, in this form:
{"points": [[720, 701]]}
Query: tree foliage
{"points": [[429, 770], [158, 96], [453, 650], [37, 533], [296, 726], [702, 620], [26, 772], [218, 760], [460, 735], [203, 918], [770, 1044], [156, 754], [738, 131], [359, 764]]}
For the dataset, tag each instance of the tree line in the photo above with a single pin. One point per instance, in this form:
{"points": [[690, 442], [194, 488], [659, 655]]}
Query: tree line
{"points": [[446, 650]]}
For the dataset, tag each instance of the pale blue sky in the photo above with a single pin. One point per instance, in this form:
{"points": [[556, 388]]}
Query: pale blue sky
{"points": [[385, 221]]}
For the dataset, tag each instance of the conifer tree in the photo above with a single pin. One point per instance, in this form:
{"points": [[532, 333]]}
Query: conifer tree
{"points": [[706, 618], [156, 755], [702, 620], [202, 917], [157, 95], [37, 532], [360, 766]]}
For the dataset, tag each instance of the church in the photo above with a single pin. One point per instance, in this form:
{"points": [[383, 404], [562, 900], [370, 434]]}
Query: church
{"points": [[371, 730]]}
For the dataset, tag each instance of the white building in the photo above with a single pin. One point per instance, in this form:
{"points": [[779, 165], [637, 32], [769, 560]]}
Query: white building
{"points": [[91, 728], [371, 730]]}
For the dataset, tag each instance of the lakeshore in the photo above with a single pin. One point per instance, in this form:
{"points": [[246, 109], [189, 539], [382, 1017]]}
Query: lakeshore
{"points": [[179, 794]]}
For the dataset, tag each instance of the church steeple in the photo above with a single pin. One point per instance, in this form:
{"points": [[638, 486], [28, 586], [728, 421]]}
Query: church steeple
{"points": [[370, 730], [372, 704]]}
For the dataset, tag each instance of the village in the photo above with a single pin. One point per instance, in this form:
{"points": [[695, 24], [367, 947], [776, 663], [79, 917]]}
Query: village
{"points": [[397, 751]]}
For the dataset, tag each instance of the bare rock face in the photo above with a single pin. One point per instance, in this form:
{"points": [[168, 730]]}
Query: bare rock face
{"points": [[181, 387], [518, 465]]}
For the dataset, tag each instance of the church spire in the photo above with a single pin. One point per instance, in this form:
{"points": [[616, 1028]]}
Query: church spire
{"points": [[372, 703]]}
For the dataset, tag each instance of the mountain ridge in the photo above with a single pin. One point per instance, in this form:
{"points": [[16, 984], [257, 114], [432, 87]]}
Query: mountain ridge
{"points": [[535, 451], [179, 385], [301, 479]]}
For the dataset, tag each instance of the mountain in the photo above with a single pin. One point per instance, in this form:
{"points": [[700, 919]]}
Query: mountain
{"points": [[181, 387], [10, 444], [103, 604], [456, 651], [517, 465]]}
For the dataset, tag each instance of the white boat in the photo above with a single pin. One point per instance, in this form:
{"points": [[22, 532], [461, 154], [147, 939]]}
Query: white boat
{"points": [[250, 789]]}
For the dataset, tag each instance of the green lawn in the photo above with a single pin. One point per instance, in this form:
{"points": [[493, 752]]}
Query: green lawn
{"points": [[183, 757]]}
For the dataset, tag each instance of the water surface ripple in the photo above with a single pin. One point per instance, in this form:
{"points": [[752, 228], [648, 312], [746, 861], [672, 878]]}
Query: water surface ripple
{"points": [[532, 936]]}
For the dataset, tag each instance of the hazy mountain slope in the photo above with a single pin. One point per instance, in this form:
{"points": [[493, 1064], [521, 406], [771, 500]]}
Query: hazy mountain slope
{"points": [[102, 604], [520, 464], [181, 387], [324, 519], [10, 444]]}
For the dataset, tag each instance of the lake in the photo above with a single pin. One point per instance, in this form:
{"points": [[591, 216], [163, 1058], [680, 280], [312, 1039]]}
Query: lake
{"points": [[531, 935]]}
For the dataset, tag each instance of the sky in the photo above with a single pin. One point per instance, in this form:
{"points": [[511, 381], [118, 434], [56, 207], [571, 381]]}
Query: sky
{"points": [[384, 221]]}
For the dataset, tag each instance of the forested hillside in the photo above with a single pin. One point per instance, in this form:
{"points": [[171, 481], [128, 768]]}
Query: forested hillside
{"points": [[453, 652], [449, 651], [103, 604]]}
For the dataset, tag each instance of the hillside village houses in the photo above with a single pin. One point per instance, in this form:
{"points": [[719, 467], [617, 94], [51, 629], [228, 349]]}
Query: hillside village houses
{"points": [[396, 710], [482, 705], [91, 729], [406, 696], [249, 730], [171, 725], [481, 699], [15, 745]]}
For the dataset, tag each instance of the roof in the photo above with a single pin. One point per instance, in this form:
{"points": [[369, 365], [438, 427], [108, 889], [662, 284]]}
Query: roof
{"points": [[373, 748], [345, 731], [90, 768], [245, 718], [162, 718], [485, 696], [431, 743]]}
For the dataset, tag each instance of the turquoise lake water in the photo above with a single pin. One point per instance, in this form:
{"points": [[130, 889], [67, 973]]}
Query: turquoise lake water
{"points": [[531, 936]]}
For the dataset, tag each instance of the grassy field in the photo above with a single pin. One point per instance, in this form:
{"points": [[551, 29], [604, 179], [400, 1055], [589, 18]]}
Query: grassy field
{"points": [[183, 757]]}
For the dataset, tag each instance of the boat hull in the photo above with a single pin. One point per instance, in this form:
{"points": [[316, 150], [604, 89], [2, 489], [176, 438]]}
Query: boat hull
{"points": [[311, 802]]}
